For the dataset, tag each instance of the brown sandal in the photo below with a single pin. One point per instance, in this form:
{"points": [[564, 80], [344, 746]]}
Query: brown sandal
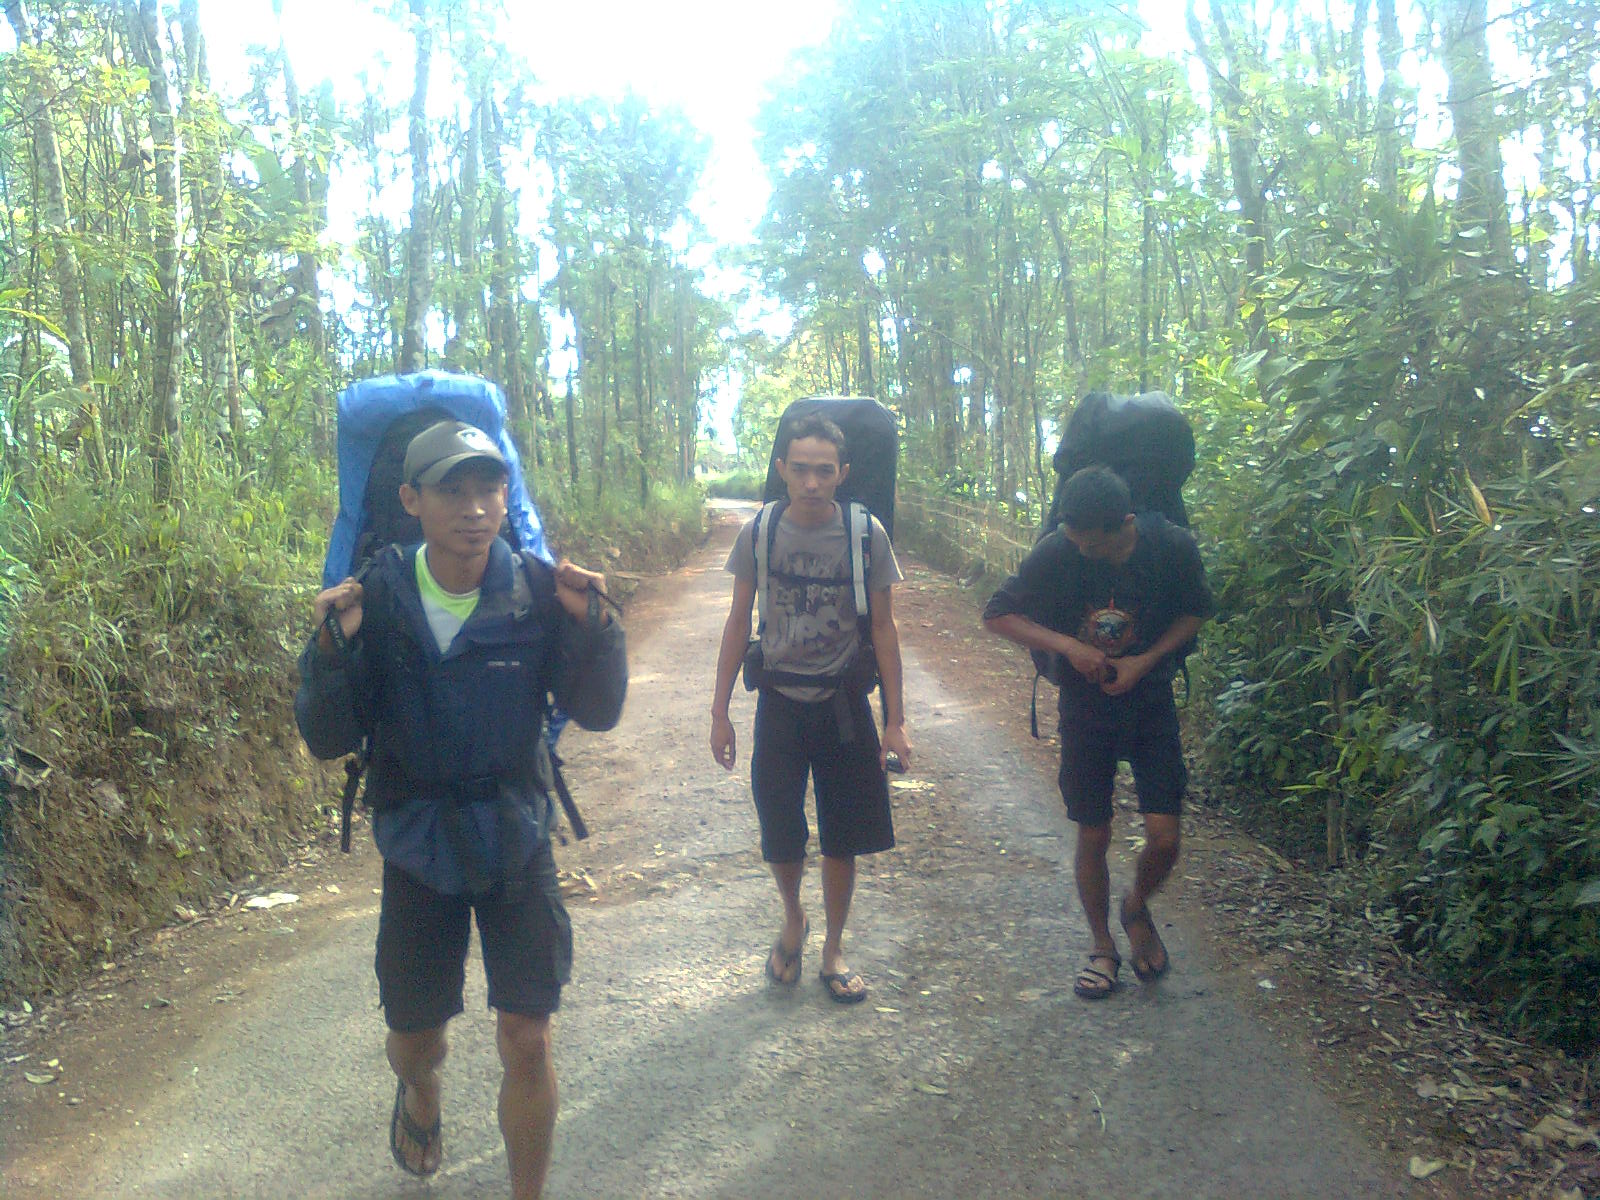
{"points": [[1094, 984]]}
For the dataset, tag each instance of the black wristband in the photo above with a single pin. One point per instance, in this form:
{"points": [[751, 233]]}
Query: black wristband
{"points": [[597, 598], [330, 622]]}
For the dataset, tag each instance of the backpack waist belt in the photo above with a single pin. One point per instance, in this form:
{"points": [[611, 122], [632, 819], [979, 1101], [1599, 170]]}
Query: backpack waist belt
{"points": [[461, 793], [857, 679]]}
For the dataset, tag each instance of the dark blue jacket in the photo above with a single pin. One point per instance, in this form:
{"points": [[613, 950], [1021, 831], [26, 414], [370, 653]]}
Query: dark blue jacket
{"points": [[459, 774]]}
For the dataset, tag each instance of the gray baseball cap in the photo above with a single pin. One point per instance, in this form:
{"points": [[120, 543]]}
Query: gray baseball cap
{"points": [[441, 448]]}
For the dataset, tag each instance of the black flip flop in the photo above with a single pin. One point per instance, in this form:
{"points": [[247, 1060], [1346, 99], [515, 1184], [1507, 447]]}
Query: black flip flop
{"points": [[400, 1121], [842, 994], [1141, 959], [787, 959]]}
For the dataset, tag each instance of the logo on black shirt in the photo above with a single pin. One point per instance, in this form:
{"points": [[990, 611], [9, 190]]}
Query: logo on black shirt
{"points": [[1109, 629]]}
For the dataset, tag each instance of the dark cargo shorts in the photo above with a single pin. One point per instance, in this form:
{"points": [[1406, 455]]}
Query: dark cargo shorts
{"points": [[1099, 732], [794, 739], [421, 960]]}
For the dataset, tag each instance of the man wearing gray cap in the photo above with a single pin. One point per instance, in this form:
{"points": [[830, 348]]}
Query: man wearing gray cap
{"points": [[441, 657]]}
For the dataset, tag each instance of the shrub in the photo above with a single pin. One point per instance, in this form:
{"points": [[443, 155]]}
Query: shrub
{"points": [[741, 484], [150, 668]]}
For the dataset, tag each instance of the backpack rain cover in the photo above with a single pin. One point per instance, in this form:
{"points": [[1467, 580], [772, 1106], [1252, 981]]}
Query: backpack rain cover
{"points": [[366, 410]]}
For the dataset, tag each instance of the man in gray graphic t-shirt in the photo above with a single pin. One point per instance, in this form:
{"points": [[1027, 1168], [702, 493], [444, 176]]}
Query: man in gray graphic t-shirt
{"points": [[824, 729], [811, 627]]}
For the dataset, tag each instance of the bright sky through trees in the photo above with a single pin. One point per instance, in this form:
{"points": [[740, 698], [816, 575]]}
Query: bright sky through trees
{"points": [[713, 59]]}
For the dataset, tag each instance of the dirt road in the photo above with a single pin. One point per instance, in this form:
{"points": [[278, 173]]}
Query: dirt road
{"points": [[243, 1056]]}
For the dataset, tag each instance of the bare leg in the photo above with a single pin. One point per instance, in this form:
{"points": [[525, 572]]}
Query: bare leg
{"points": [[1094, 884], [788, 875], [1160, 854], [527, 1100], [838, 888], [1098, 978], [1155, 863], [416, 1059]]}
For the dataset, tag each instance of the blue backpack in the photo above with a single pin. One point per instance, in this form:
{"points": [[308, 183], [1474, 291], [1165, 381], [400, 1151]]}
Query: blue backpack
{"points": [[377, 418]]}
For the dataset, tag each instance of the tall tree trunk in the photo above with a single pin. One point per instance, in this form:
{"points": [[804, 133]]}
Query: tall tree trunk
{"points": [[867, 385], [1482, 196], [211, 263], [383, 274], [1072, 350], [1388, 115], [1242, 152], [419, 251], [506, 330], [1105, 253], [469, 315], [641, 431], [571, 407], [144, 39], [1146, 252], [307, 287], [69, 276], [682, 396], [612, 378]]}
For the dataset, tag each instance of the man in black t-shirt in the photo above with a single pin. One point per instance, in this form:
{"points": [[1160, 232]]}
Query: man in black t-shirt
{"points": [[1117, 596]]}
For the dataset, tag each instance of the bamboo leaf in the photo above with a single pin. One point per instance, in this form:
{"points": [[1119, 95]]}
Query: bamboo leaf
{"points": [[1479, 504], [26, 315]]}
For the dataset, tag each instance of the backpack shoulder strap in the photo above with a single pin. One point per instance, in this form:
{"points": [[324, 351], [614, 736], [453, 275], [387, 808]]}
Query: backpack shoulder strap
{"points": [[374, 582], [524, 585], [761, 539], [858, 527]]}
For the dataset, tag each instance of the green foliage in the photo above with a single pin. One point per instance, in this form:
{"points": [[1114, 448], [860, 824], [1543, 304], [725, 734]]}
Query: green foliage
{"points": [[1409, 655], [616, 528], [737, 485], [150, 666], [762, 399]]}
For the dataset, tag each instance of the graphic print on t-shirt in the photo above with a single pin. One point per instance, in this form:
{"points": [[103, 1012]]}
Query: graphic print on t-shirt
{"points": [[809, 607], [1108, 629]]}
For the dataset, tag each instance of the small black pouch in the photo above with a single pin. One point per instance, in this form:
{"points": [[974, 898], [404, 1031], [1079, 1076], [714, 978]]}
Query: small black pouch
{"points": [[755, 666], [862, 673]]}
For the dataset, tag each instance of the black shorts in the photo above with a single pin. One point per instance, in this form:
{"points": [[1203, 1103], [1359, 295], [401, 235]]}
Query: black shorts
{"points": [[422, 946], [1099, 732], [794, 738]]}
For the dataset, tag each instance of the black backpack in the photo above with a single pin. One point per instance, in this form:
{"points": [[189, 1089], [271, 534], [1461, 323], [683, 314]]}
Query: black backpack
{"points": [[872, 437], [1145, 439], [384, 520]]}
